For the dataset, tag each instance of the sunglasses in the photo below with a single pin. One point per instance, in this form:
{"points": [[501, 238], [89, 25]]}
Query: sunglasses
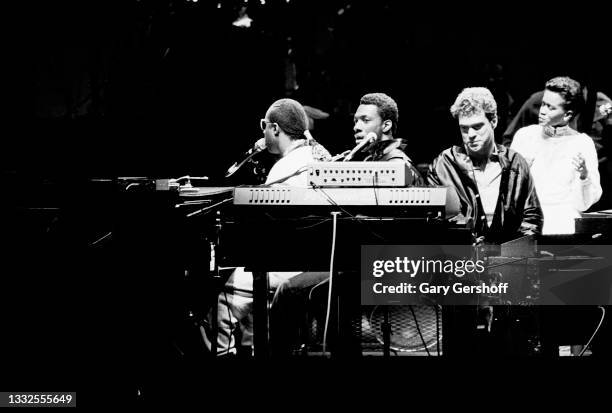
{"points": [[263, 124]]}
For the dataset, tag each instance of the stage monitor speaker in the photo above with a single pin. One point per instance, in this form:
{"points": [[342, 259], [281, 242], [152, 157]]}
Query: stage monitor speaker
{"points": [[413, 333], [415, 330]]}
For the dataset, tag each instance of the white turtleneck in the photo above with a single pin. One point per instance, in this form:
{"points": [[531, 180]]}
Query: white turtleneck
{"points": [[561, 192]]}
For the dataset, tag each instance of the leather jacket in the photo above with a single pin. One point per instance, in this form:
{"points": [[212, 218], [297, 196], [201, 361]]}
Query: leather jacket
{"points": [[517, 210], [392, 150]]}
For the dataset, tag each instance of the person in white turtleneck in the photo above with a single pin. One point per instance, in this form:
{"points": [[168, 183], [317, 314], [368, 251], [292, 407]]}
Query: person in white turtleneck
{"points": [[562, 161]]}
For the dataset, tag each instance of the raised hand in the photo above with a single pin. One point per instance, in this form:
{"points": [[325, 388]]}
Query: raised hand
{"points": [[579, 165]]}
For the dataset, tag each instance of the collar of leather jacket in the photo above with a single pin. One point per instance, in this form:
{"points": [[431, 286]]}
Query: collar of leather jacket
{"points": [[381, 148], [500, 154]]}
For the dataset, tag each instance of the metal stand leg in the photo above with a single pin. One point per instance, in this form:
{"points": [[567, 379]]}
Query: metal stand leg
{"points": [[217, 285], [437, 330], [386, 330], [261, 316], [215, 316]]}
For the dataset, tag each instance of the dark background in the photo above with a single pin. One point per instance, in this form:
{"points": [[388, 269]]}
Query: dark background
{"points": [[167, 88], [164, 88]]}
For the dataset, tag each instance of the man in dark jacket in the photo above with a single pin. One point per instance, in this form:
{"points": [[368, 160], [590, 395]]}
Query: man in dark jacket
{"points": [[489, 185], [376, 118], [378, 114]]}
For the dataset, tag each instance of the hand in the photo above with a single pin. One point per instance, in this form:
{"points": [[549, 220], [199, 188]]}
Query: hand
{"points": [[580, 166]]}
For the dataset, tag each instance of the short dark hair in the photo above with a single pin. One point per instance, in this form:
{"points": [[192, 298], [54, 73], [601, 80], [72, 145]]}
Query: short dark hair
{"points": [[290, 116], [387, 108], [570, 90]]}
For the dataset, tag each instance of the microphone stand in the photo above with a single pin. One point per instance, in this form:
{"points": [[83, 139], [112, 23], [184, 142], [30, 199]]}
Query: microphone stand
{"points": [[340, 156], [370, 138], [236, 166]]}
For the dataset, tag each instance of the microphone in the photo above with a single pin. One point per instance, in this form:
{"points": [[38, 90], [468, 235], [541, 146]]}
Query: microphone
{"points": [[370, 137], [259, 146]]}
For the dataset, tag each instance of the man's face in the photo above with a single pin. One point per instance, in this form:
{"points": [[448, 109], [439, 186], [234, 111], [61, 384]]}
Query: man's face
{"points": [[552, 112], [477, 133], [269, 134], [366, 120]]}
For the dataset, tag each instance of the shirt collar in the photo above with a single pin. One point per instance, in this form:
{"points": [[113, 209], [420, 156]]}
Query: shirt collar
{"points": [[464, 163], [551, 131], [494, 157], [498, 150]]}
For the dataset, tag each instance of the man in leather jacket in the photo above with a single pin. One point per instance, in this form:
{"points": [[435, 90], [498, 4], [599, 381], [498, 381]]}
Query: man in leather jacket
{"points": [[489, 185]]}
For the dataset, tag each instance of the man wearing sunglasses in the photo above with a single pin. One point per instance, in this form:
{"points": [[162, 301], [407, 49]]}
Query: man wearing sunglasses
{"points": [[285, 128], [282, 128]]}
